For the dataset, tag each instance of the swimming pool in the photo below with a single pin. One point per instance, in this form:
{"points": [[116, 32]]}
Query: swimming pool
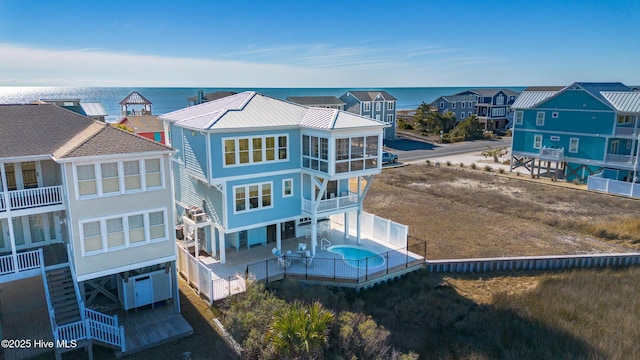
{"points": [[357, 256]]}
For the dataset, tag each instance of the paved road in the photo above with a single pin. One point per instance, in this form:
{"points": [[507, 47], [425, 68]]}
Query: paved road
{"points": [[413, 150]]}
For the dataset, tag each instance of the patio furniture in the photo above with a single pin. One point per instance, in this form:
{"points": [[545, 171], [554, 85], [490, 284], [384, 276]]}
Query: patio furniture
{"points": [[302, 247], [283, 263], [276, 252]]}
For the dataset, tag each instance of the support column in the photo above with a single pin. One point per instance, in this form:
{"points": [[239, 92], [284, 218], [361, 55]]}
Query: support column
{"points": [[214, 236], [346, 226], [279, 236], [196, 251], [223, 247], [358, 220], [314, 233]]}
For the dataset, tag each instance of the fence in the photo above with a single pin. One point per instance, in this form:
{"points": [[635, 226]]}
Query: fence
{"points": [[552, 262], [28, 198], [598, 183], [201, 278], [385, 230], [339, 270], [24, 261]]}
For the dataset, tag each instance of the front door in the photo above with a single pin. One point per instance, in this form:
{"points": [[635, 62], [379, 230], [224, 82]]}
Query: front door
{"points": [[289, 230], [272, 232], [615, 146]]}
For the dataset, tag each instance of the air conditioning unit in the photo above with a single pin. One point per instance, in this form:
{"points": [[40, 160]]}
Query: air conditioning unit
{"points": [[199, 217]]}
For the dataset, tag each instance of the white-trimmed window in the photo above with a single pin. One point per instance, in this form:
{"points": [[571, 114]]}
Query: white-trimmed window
{"points": [[390, 105], [255, 150], [498, 111], [441, 104], [500, 99], [462, 115], [540, 118], [315, 153], [87, 184], [115, 233], [110, 178], [463, 104], [366, 106], [287, 188], [573, 145], [119, 177], [555, 115], [132, 179], [378, 105], [252, 197], [537, 142], [519, 117], [625, 119], [356, 153], [389, 118], [469, 114], [453, 105]]}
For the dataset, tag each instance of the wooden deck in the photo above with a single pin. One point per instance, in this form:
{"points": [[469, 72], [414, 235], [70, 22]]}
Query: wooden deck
{"points": [[146, 327]]}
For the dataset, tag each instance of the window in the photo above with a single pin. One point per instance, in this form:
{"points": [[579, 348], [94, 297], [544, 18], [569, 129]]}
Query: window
{"points": [[351, 154], [555, 138], [453, 105], [519, 117], [110, 178], [136, 228], [625, 119], [287, 188], [462, 104], [315, 153], [255, 150], [500, 99], [462, 115], [469, 114], [366, 106], [537, 142], [153, 173], [441, 104], [156, 225], [540, 118], [92, 236], [554, 115], [573, 145], [253, 197], [390, 105], [497, 112], [115, 233], [87, 180], [132, 175], [109, 234], [378, 105], [390, 118]]}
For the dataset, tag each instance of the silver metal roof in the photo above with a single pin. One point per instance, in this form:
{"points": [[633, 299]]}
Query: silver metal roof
{"points": [[623, 101], [93, 109], [253, 110], [529, 99]]}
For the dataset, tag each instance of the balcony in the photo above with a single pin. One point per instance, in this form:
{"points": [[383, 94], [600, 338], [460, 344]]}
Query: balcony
{"points": [[32, 198], [626, 131], [22, 262], [621, 159], [336, 204], [551, 154]]}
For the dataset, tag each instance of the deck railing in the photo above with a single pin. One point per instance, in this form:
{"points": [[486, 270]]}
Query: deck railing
{"points": [[30, 198], [337, 203], [551, 154], [104, 328], [625, 130], [627, 159], [23, 261]]}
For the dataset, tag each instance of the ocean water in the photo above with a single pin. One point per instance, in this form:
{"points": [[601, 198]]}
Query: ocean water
{"points": [[165, 100]]}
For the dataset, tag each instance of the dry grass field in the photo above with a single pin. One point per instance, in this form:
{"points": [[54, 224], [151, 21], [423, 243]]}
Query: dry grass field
{"points": [[464, 213]]}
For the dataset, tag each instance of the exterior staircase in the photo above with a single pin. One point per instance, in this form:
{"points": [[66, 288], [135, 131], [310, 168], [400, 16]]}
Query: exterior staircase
{"points": [[63, 298]]}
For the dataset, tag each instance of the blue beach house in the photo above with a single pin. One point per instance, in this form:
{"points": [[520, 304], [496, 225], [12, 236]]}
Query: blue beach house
{"points": [[586, 132], [376, 104], [251, 170]]}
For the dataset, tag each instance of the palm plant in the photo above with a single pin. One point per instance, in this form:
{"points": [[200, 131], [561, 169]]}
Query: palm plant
{"points": [[300, 331]]}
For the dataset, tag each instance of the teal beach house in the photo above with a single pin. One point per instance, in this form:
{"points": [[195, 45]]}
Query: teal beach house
{"points": [[585, 132]]}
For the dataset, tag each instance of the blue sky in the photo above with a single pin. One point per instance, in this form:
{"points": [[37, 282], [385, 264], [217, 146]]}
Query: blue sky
{"points": [[326, 43]]}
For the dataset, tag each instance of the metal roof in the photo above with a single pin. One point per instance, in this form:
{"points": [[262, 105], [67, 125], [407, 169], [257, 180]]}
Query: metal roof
{"points": [[623, 101], [452, 98], [253, 110], [371, 95], [529, 99], [93, 109], [135, 98], [316, 100]]}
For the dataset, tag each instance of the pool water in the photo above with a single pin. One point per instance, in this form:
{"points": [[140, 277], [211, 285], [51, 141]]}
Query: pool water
{"points": [[355, 256]]}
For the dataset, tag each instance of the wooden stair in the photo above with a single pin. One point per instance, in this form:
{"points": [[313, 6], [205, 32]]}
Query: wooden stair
{"points": [[62, 293]]}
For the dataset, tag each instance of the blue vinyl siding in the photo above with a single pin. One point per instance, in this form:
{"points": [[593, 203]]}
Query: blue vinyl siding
{"points": [[574, 99], [195, 153], [190, 191], [571, 121], [282, 207], [176, 142], [590, 147], [217, 155]]}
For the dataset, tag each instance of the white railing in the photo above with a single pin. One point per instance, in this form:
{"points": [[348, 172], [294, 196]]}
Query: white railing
{"points": [[621, 158], [28, 198], [27, 260], [104, 328], [551, 153], [611, 186], [625, 130], [337, 203], [3, 207], [201, 278], [70, 332]]}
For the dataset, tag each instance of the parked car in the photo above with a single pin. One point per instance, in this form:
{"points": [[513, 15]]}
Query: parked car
{"points": [[389, 157]]}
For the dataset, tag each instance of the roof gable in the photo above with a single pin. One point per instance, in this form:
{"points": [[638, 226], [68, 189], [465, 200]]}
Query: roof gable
{"points": [[372, 95], [135, 98]]}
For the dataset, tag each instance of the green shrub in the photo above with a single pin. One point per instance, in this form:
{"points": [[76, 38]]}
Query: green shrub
{"points": [[448, 163], [487, 168], [501, 171], [473, 166]]}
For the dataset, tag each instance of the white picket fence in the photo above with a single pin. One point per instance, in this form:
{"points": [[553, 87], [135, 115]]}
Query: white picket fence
{"points": [[610, 186], [375, 227]]}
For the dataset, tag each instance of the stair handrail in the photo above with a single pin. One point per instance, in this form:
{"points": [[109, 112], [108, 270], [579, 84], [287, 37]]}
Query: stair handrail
{"points": [[47, 295], [72, 269]]}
